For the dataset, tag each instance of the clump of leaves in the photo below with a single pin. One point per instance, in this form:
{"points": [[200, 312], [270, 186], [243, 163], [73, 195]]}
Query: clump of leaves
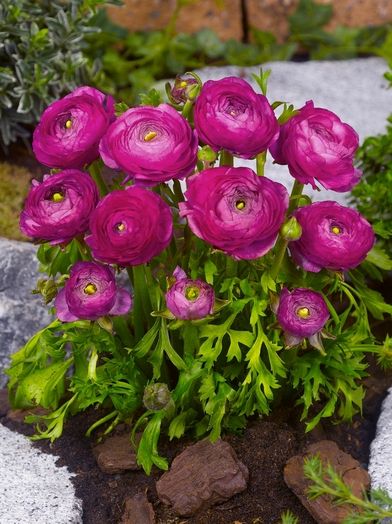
{"points": [[41, 58], [373, 195], [372, 507]]}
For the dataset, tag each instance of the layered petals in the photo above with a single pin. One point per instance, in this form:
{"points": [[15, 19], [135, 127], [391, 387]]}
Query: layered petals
{"points": [[318, 147], [58, 209], [234, 210], [230, 115], [70, 129], [151, 145], [91, 292], [129, 227], [334, 237]]}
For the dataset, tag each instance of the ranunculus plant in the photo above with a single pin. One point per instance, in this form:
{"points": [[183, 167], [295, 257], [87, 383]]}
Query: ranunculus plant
{"points": [[235, 290]]}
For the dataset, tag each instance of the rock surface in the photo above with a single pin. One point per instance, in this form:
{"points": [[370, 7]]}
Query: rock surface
{"points": [[21, 313], [138, 510], [202, 475], [33, 490], [116, 454], [380, 462], [323, 511]]}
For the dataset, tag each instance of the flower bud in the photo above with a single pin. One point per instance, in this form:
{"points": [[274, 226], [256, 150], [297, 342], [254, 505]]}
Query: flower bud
{"points": [[185, 88], [207, 154], [156, 396], [291, 229]]}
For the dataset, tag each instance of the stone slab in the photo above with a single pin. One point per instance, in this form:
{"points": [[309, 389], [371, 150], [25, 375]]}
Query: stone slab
{"points": [[33, 490], [380, 462], [21, 313]]}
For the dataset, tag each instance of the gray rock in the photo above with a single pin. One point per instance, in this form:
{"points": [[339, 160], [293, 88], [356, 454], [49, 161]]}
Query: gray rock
{"points": [[33, 490], [353, 89], [21, 313], [380, 462]]}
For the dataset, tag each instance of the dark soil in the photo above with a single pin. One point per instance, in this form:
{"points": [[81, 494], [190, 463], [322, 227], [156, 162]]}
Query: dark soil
{"points": [[265, 447]]}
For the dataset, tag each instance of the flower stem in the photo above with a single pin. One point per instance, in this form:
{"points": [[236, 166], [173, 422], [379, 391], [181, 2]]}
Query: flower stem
{"points": [[187, 109], [141, 305], [95, 172], [281, 244], [178, 190], [226, 159], [260, 163]]}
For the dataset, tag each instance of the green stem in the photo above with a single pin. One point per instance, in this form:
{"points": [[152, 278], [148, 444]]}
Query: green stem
{"points": [[95, 172], [260, 163], [187, 109], [141, 298], [178, 190], [281, 244], [226, 159]]}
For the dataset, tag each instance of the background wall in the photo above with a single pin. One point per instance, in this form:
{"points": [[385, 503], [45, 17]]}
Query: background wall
{"points": [[236, 16]]}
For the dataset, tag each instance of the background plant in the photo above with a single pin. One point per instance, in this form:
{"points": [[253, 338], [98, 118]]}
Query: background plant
{"points": [[41, 57]]}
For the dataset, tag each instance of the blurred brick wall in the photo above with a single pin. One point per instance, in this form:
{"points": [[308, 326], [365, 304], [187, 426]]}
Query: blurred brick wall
{"points": [[227, 22]]}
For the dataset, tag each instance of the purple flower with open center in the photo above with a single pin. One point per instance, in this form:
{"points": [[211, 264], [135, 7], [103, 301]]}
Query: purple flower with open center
{"points": [[235, 210], [151, 144], [58, 209], [91, 292], [129, 227], [230, 115], [333, 237], [70, 129], [318, 146], [302, 313], [189, 299]]}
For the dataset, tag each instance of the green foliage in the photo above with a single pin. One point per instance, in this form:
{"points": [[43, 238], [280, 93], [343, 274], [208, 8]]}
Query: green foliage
{"points": [[41, 58], [373, 195], [326, 481], [289, 518]]}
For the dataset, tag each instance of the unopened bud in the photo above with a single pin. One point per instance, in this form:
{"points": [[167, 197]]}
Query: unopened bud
{"points": [[291, 229], [157, 396], [185, 88], [207, 154]]}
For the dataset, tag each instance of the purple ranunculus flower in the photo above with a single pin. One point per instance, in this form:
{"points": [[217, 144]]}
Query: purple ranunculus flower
{"points": [[129, 227], [333, 237], [91, 292], [189, 299], [302, 313], [318, 146], [151, 144], [58, 209], [235, 210], [70, 129], [230, 115]]}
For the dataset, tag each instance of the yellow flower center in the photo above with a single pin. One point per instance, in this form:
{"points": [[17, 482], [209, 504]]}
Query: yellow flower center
{"points": [[90, 289], [192, 292], [57, 197], [120, 226], [68, 124], [303, 312], [150, 136], [183, 84], [240, 204], [336, 230]]}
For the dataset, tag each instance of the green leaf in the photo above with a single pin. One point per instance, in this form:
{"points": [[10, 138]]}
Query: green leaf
{"points": [[210, 270], [236, 338], [152, 98], [262, 79], [147, 452], [379, 258]]}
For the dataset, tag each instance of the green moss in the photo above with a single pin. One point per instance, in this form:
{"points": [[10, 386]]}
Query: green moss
{"points": [[14, 185]]}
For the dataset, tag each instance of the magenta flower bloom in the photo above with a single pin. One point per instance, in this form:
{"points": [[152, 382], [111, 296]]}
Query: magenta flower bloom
{"points": [[90, 293], [230, 115], [70, 129], [333, 237], [58, 209], [189, 299], [302, 313], [235, 210], [151, 144], [130, 227], [318, 146]]}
